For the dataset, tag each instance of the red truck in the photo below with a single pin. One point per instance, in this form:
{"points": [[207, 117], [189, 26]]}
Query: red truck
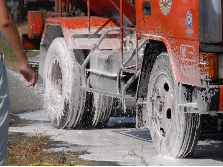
{"points": [[162, 57]]}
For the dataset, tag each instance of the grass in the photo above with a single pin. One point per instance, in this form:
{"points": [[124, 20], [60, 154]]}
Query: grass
{"points": [[10, 58], [6, 49], [34, 151], [29, 150]]}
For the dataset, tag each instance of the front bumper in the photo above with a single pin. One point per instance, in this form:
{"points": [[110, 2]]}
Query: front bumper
{"points": [[201, 100]]}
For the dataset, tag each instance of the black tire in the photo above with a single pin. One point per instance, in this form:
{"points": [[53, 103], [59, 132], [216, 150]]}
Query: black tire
{"points": [[100, 112], [64, 101], [174, 133], [103, 107]]}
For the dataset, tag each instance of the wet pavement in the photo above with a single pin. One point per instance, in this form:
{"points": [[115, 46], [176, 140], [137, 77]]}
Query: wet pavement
{"points": [[126, 146], [22, 98], [120, 142]]}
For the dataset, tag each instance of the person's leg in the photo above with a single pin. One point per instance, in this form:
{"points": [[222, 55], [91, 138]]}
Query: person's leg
{"points": [[4, 112]]}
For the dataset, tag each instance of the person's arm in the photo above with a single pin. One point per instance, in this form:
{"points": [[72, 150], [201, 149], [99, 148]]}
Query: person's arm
{"points": [[10, 32]]}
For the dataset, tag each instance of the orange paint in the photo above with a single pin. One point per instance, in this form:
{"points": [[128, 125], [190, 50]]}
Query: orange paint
{"points": [[111, 7], [30, 44], [82, 22], [221, 98], [35, 24], [176, 26], [173, 24]]}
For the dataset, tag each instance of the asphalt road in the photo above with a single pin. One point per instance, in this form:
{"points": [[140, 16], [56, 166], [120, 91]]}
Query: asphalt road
{"points": [[118, 142]]}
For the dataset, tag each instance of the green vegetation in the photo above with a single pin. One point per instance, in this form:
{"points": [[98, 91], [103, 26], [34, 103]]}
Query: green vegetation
{"points": [[10, 58], [34, 151], [24, 150], [7, 50], [9, 54]]}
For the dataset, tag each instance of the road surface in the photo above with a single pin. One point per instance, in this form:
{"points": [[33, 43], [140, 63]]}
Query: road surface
{"points": [[118, 142]]}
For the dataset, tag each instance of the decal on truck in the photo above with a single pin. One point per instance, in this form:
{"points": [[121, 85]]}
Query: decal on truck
{"points": [[165, 6], [189, 19], [187, 60], [189, 23]]}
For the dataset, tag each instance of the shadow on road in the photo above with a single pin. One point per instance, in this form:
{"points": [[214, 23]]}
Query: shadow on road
{"points": [[210, 146], [139, 134]]}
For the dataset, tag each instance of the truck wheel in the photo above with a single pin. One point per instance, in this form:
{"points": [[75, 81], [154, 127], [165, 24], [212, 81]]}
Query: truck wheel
{"points": [[174, 133], [100, 112], [62, 81], [103, 106]]}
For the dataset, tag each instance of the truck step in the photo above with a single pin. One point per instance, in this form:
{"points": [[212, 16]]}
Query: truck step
{"points": [[188, 107]]}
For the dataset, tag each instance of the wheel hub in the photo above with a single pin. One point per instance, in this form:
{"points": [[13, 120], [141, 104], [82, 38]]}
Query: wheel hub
{"points": [[162, 105], [55, 82]]}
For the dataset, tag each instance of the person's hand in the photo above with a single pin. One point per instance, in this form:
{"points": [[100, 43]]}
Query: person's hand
{"points": [[29, 74]]}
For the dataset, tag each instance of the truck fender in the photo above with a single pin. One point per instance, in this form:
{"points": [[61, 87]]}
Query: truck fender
{"points": [[152, 50]]}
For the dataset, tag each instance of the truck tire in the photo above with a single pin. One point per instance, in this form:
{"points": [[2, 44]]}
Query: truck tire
{"points": [[174, 133], [100, 112], [63, 97], [103, 107]]}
